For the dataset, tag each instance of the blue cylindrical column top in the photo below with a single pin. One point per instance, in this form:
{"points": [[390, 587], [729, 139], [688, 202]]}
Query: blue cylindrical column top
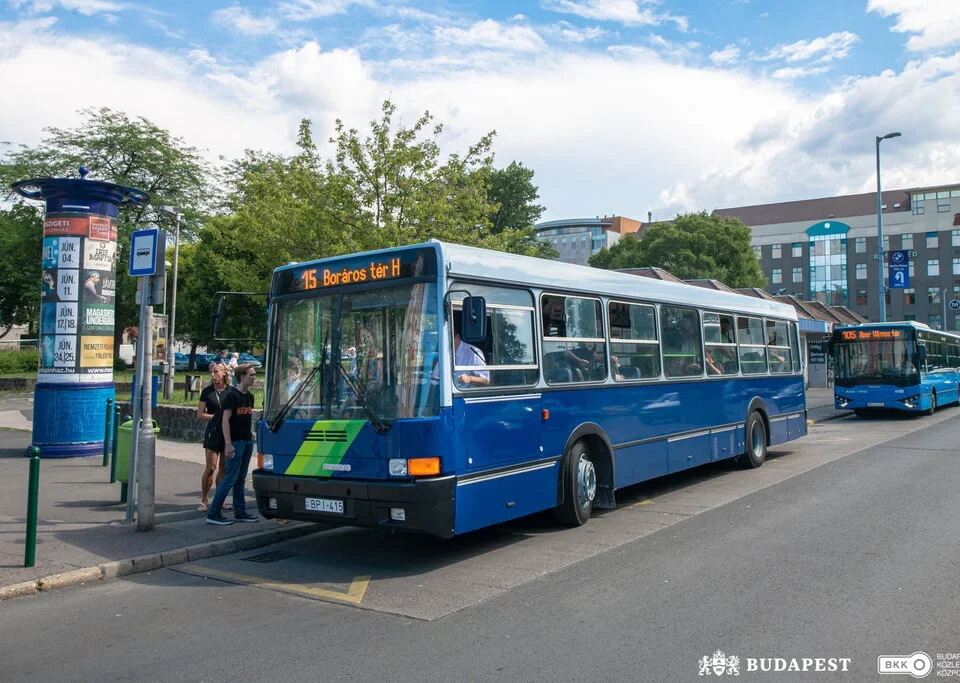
{"points": [[80, 195]]}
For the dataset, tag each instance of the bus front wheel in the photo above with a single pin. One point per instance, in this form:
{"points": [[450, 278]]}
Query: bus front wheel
{"points": [[933, 403], [756, 451], [579, 486]]}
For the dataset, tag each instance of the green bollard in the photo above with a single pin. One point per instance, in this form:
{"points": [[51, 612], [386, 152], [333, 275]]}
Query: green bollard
{"points": [[107, 431], [113, 443], [33, 486]]}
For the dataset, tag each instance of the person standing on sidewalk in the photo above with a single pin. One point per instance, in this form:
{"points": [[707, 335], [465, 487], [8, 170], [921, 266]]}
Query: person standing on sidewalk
{"points": [[211, 401], [238, 437]]}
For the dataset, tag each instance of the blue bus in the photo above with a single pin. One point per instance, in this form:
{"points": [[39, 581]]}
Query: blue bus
{"points": [[900, 365], [594, 380]]}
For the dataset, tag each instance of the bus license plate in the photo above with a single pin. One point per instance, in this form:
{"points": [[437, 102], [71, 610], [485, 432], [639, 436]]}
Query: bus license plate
{"points": [[875, 405], [324, 505]]}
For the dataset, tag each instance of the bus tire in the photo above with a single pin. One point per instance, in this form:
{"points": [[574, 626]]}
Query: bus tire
{"points": [[756, 442], [579, 486], [933, 403]]}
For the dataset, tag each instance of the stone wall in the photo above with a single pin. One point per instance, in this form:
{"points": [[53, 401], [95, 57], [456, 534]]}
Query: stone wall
{"points": [[178, 422]]}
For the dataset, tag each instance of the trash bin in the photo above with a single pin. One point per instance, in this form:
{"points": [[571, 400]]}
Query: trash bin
{"points": [[155, 380], [124, 441]]}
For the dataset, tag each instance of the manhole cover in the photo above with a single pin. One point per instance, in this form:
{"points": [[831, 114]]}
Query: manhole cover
{"points": [[273, 556]]}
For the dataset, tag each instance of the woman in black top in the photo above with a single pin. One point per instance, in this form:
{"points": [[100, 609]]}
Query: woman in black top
{"points": [[211, 400]]}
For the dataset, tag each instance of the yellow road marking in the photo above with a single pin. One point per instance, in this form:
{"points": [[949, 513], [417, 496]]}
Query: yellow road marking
{"points": [[642, 502], [353, 595]]}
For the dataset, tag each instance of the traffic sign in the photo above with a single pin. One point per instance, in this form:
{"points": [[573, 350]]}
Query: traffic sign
{"points": [[147, 249], [955, 304], [900, 276]]}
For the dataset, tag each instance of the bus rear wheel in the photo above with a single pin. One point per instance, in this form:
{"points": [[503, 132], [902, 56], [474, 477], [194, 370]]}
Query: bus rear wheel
{"points": [[579, 486], [756, 451]]}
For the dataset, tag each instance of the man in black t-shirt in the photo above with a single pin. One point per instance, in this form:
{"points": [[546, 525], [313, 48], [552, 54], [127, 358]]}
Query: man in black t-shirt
{"points": [[238, 437]]}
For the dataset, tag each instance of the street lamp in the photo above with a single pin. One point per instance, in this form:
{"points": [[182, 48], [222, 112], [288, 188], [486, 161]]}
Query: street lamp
{"points": [[880, 263], [171, 329]]}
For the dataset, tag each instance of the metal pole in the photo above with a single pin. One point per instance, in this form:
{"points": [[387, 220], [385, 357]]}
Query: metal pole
{"points": [[146, 471], [33, 487], [107, 432], [168, 387], [113, 443], [880, 264], [143, 358]]}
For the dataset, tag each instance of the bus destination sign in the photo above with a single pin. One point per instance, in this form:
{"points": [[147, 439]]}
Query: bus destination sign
{"points": [[863, 335], [356, 271]]}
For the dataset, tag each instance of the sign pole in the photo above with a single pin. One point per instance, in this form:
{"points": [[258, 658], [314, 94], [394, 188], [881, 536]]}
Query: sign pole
{"points": [[146, 470], [143, 357]]}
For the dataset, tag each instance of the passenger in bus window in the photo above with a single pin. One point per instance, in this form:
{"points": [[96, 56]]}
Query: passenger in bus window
{"points": [[590, 359], [726, 330], [714, 363], [467, 355]]}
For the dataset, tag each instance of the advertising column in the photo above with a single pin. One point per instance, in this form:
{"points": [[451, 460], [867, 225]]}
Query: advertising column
{"points": [[77, 320]]}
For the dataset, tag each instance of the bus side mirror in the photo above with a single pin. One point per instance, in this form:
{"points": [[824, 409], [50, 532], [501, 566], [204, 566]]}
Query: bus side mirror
{"points": [[474, 319], [218, 314]]}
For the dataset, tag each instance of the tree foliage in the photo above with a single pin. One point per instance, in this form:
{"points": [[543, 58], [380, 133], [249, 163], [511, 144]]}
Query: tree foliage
{"points": [[21, 243], [693, 246]]}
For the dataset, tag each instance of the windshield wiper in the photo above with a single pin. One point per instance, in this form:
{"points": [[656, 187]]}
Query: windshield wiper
{"points": [[360, 391], [294, 400]]}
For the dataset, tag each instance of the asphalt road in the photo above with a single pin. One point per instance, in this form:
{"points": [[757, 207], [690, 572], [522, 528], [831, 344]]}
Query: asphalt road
{"points": [[854, 559]]}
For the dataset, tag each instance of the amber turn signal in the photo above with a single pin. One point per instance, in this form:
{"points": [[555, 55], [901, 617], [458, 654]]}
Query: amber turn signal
{"points": [[420, 467], [545, 414]]}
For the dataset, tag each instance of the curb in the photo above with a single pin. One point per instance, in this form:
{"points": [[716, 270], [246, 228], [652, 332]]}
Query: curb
{"points": [[158, 560], [835, 416]]}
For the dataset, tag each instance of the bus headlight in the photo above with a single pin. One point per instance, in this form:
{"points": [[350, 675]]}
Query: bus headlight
{"points": [[841, 400], [398, 467], [267, 462], [911, 401]]}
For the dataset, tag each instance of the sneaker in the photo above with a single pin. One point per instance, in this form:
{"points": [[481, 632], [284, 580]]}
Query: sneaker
{"points": [[245, 517], [218, 519]]}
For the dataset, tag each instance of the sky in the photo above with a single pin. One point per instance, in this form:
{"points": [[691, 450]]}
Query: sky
{"points": [[621, 107]]}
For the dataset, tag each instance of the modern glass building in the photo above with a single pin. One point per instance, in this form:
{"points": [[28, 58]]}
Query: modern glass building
{"points": [[577, 239], [825, 249]]}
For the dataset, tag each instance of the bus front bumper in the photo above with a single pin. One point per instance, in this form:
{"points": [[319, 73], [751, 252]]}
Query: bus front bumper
{"points": [[427, 505]]}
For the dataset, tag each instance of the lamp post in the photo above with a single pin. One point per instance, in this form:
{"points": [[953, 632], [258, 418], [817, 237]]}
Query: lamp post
{"points": [[171, 329], [880, 264]]}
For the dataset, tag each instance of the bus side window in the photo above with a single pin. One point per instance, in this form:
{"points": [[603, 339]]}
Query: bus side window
{"points": [[753, 349], [634, 347], [681, 342], [574, 346]]}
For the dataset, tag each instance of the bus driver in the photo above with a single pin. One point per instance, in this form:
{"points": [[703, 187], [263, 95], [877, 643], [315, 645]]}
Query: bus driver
{"points": [[467, 355]]}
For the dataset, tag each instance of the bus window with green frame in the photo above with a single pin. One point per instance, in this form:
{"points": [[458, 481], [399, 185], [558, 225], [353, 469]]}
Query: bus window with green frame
{"points": [[753, 347], [682, 344]]}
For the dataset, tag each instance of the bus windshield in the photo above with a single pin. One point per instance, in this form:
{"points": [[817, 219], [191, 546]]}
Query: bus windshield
{"points": [[878, 361], [385, 342]]}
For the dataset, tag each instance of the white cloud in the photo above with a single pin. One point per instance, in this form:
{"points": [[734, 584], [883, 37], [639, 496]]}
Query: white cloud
{"points": [[728, 55], [936, 23], [240, 20], [305, 10], [569, 33], [834, 46], [492, 35], [85, 7], [793, 72], [627, 12]]}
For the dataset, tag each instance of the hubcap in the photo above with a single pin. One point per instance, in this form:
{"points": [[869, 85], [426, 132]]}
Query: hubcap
{"points": [[756, 439], [586, 481]]}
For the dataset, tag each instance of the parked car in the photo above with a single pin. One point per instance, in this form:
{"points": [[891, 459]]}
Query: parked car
{"points": [[247, 358], [180, 361], [203, 360]]}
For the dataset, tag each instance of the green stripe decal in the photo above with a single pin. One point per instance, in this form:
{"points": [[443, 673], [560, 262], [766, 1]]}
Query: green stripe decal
{"points": [[325, 444]]}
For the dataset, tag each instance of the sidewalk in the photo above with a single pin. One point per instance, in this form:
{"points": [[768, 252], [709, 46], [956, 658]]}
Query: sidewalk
{"points": [[81, 522], [820, 406]]}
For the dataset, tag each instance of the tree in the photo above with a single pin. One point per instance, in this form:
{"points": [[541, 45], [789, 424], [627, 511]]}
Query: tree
{"points": [[127, 151], [512, 192], [21, 242], [693, 246]]}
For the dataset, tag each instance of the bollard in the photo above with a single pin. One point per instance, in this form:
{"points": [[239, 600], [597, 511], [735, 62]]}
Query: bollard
{"points": [[33, 486], [113, 445], [107, 432]]}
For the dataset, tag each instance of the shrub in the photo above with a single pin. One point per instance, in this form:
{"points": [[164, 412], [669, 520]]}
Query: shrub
{"points": [[119, 364], [13, 362]]}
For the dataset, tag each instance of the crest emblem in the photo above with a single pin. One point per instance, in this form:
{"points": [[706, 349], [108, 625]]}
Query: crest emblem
{"points": [[719, 664]]}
